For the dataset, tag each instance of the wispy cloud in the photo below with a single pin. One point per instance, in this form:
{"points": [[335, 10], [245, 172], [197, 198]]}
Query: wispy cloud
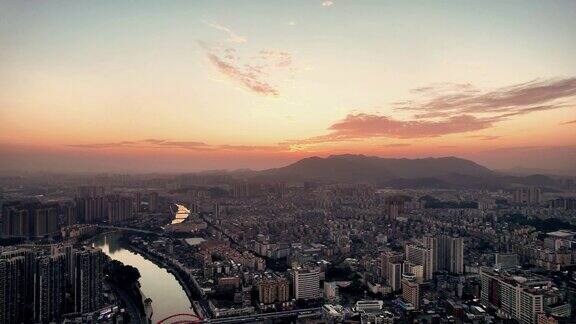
{"points": [[447, 100], [249, 76], [106, 145], [232, 36], [153, 143], [569, 122], [327, 3], [146, 143], [251, 72], [397, 145], [485, 137], [268, 148]]}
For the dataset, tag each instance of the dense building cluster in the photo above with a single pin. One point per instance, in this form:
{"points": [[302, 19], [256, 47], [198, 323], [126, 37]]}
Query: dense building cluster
{"points": [[322, 251], [42, 284]]}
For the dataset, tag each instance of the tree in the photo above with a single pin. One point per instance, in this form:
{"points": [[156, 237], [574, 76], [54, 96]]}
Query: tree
{"points": [[121, 274]]}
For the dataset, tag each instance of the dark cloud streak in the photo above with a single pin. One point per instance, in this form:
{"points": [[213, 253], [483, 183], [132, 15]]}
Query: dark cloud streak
{"points": [[456, 99]]}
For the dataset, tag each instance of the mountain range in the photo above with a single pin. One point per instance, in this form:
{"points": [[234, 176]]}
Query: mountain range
{"points": [[443, 172]]}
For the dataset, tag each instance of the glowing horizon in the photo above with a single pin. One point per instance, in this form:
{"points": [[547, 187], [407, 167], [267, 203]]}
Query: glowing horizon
{"points": [[217, 84]]}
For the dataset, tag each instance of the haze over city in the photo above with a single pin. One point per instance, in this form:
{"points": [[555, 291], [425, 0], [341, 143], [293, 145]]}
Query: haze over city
{"points": [[298, 161], [197, 85]]}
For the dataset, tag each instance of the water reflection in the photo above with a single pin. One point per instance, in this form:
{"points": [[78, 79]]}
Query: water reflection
{"points": [[157, 283], [181, 214]]}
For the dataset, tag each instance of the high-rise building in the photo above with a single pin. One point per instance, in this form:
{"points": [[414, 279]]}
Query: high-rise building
{"points": [[267, 291], [518, 196], [395, 276], [431, 242], [411, 290], [217, 209], [534, 196], [16, 286], [307, 283], [386, 258], [90, 192], [273, 288], [50, 280], [34, 283], [241, 190], [394, 207], [45, 219], [453, 248], [15, 219], [529, 196], [30, 219], [415, 269], [519, 297], [447, 253], [283, 287], [153, 202], [138, 202], [88, 265], [119, 208], [90, 209], [419, 255], [69, 213]]}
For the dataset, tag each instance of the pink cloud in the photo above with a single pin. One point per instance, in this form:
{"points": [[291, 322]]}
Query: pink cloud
{"points": [[253, 72], [361, 125], [187, 145], [452, 109], [249, 78]]}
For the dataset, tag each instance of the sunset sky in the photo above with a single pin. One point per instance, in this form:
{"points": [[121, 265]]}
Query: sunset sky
{"points": [[192, 85]]}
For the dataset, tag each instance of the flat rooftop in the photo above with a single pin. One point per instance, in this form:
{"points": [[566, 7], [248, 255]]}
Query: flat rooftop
{"points": [[562, 234]]}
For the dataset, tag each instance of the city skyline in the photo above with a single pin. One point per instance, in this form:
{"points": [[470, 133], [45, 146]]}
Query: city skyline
{"points": [[190, 86]]}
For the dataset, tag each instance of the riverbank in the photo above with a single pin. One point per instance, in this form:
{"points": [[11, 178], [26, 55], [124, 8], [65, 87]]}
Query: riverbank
{"points": [[162, 287], [191, 288], [133, 301]]}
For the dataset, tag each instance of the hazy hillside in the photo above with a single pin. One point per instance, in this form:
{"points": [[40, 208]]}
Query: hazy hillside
{"points": [[428, 172]]}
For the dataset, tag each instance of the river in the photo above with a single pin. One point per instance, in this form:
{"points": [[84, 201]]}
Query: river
{"points": [[181, 214], [168, 296]]}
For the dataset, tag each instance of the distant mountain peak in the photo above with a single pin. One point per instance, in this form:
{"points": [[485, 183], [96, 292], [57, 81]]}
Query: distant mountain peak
{"points": [[354, 168]]}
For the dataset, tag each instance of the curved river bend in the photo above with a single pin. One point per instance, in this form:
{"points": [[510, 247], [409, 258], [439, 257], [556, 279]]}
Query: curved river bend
{"points": [[168, 296]]}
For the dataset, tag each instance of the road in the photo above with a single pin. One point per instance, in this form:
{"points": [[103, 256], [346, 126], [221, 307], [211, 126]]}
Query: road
{"points": [[308, 312], [127, 229]]}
